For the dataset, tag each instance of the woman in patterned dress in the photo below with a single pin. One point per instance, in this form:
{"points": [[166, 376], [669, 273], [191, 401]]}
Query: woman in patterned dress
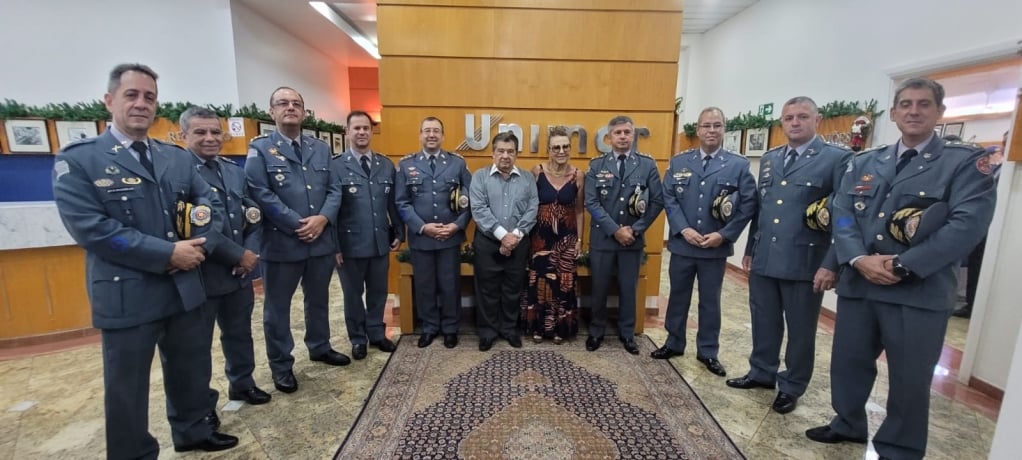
{"points": [[549, 308]]}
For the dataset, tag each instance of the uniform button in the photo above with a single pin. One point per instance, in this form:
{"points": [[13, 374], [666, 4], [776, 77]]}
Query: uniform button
{"points": [[304, 168], [780, 202], [880, 237], [166, 212], [374, 214], [117, 278], [699, 221], [231, 215], [702, 183], [700, 195], [622, 213], [308, 187], [809, 183], [434, 181], [887, 195], [784, 182], [434, 193], [228, 198], [881, 215], [700, 209], [124, 198], [376, 229], [777, 221], [170, 234], [773, 238], [922, 193], [434, 205], [622, 198], [235, 232], [312, 207]]}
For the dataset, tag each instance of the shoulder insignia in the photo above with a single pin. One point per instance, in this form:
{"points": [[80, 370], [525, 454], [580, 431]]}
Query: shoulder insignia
{"points": [[408, 157], [775, 149], [261, 136], [646, 155], [599, 157], [455, 154], [968, 145], [79, 143], [315, 139], [336, 155], [874, 149], [228, 160]]}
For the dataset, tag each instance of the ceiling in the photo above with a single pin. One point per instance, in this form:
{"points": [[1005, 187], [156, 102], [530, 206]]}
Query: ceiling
{"points": [[298, 18]]}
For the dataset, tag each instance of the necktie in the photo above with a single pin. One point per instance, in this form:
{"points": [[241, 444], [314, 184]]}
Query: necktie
{"points": [[621, 165], [213, 165], [706, 161], [298, 149], [790, 158], [906, 157], [365, 164], [143, 157], [432, 163]]}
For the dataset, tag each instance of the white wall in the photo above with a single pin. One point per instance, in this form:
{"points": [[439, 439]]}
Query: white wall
{"points": [[62, 51], [268, 57], [986, 130]]}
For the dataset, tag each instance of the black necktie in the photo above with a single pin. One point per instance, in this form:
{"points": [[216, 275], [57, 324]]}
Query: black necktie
{"points": [[906, 157], [143, 157], [298, 149], [213, 165], [365, 164], [621, 165], [706, 161], [432, 163], [792, 156]]}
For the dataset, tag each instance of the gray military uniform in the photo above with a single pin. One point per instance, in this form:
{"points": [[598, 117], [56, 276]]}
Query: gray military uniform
{"points": [[786, 254], [906, 320], [607, 193], [124, 219], [689, 191], [367, 224], [289, 186], [230, 298], [423, 195]]}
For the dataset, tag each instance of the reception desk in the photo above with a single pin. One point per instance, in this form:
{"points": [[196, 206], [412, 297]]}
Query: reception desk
{"points": [[42, 277]]}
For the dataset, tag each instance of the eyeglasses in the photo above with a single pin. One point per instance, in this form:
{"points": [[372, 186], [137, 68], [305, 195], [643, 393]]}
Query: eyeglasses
{"points": [[560, 148], [283, 104], [712, 126]]}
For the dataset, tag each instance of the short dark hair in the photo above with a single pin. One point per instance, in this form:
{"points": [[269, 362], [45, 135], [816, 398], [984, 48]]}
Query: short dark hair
{"points": [[279, 88], [432, 119], [803, 100], [506, 136], [921, 83], [359, 113], [557, 131], [115, 75], [620, 120], [195, 112]]}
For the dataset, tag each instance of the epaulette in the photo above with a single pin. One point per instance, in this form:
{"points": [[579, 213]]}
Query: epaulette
{"points": [[597, 157], [410, 155], [971, 145], [874, 149], [163, 142], [316, 139], [645, 155], [258, 137], [79, 143], [457, 155], [228, 160], [336, 155], [775, 149], [683, 152]]}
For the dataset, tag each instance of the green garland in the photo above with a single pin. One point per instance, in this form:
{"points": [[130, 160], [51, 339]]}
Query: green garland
{"points": [[96, 110], [831, 109]]}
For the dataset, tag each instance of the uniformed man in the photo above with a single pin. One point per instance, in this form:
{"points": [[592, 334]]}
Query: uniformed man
{"points": [[367, 228], [710, 196], [226, 272], [290, 180], [895, 289], [118, 196], [784, 256], [504, 204], [623, 194], [426, 180]]}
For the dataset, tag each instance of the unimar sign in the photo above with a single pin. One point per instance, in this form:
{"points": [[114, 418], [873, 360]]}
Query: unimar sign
{"points": [[478, 139]]}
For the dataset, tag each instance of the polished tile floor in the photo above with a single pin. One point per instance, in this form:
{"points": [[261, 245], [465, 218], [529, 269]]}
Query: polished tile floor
{"points": [[51, 398]]}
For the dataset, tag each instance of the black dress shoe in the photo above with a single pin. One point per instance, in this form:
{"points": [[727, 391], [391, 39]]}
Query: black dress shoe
{"points": [[630, 346], [515, 341], [825, 435], [253, 396], [745, 382], [964, 312], [450, 340], [426, 339], [486, 344], [385, 345], [214, 442], [712, 365], [286, 383], [665, 353], [212, 420], [784, 403], [593, 343], [358, 351], [333, 358]]}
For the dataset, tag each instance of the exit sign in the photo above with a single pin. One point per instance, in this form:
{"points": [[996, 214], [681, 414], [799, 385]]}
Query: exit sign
{"points": [[766, 109]]}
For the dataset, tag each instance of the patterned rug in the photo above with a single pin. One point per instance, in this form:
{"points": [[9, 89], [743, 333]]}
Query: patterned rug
{"points": [[542, 401]]}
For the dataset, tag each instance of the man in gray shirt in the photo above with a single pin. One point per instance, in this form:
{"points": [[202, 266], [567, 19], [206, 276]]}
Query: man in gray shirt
{"points": [[504, 203]]}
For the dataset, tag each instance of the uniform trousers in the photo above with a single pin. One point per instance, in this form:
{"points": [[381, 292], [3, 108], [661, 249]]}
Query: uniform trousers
{"points": [[499, 280], [184, 345], [623, 265], [437, 275], [364, 320], [280, 281], [233, 313], [912, 339], [683, 272], [775, 302]]}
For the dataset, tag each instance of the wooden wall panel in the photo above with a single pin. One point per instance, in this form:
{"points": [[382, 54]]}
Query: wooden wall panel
{"points": [[448, 82], [527, 34], [42, 291]]}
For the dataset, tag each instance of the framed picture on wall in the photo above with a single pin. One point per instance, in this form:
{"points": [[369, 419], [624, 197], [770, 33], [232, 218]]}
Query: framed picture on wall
{"points": [[337, 143], [756, 141], [73, 131], [325, 137], [27, 136], [266, 128], [309, 132], [733, 141], [954, 129], [938, 130]]}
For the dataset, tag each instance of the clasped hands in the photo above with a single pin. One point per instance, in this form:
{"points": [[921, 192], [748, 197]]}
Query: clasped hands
{"points": [[187, 255], [508, 243], [440, 232], [311, 228], [877, 269], [710, 240]]}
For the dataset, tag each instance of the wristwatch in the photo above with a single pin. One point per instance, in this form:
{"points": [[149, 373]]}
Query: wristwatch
{"points": [[900, 270]]}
